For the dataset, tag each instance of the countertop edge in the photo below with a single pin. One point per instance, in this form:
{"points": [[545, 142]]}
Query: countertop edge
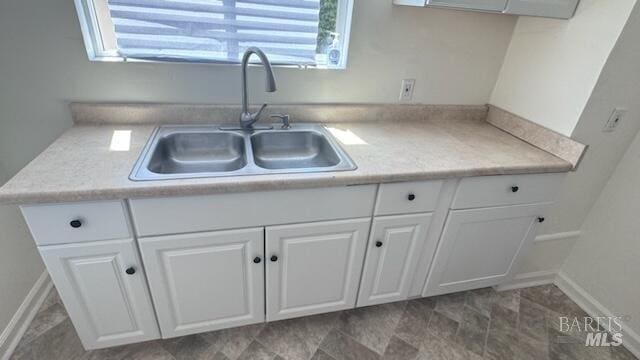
{"points": [[266, 185]]}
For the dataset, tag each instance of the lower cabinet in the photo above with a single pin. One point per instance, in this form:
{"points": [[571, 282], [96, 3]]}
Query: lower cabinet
{"points": [[314, 268], [392, 256], [206, 281], [478, 247], [103, 287]]}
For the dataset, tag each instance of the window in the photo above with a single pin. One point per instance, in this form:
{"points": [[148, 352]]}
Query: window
{"points": [[306, 33]]}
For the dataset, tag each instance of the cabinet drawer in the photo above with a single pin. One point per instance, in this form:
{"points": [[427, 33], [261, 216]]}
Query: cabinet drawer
{"points": [[500, 190], [408, 197], [241, 210], [76, 222]]}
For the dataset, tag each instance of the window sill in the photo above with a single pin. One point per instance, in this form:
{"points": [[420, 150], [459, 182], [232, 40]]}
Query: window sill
{"points": [[120, 59]]}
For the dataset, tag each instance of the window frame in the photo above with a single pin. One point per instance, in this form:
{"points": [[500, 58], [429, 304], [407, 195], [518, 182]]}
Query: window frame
{"points": [[101, 45]]}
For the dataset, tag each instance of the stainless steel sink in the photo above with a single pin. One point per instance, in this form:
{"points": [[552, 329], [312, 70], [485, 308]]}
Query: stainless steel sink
{"points": [[198, 152], [178, 152], [293, 150]]}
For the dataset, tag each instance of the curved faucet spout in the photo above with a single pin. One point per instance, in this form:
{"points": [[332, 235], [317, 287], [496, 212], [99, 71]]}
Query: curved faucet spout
{"points": [[247, 119]]}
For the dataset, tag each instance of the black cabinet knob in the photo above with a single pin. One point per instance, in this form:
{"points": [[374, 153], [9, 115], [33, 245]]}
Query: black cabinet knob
{"points": [[515, 189], [411, 197], [378, 243], [75, 223], [274, 258], [540, 219], [257, 259], [130, 271]]}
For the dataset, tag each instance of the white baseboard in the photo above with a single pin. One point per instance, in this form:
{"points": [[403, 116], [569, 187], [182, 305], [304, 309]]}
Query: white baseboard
{"points": [[11, 335], [631, 339], [529, 279]]}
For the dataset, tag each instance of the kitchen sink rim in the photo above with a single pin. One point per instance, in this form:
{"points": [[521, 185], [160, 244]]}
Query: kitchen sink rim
{"points": [[141, 173]]}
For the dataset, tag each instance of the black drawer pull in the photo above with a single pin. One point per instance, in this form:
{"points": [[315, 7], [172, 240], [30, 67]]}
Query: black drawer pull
{"points": [[257, 259], [130, 271], [411, 197], [75, 223], [515, 189], [378, 243], [274, 258]]}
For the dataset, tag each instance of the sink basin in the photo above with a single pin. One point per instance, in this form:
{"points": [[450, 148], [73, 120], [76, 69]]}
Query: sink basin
{"points": [[178, 152], [293, 150], [181, 153]]}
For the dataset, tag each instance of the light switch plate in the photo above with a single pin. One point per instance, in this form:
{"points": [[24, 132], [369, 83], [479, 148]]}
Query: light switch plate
{"points": [[614, 120]]}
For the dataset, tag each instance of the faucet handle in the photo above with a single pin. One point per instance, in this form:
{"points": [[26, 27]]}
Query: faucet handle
{"points": [[285, 120], [256, 115]]}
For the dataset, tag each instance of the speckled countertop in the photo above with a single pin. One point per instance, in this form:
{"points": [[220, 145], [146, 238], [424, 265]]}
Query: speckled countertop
{"points": [[80, 165]]}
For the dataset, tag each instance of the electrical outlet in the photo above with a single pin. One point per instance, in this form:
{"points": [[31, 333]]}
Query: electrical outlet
{"points": [[406, 92], [616, 118]]}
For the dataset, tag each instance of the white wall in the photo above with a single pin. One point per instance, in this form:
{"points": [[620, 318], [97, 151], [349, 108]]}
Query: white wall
{"points": [[605, 260], [455, 57], [20, 264], [552, 66], [616, 86]]}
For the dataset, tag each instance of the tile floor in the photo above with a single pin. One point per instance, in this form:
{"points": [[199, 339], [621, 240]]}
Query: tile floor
{"points": [[479, 324]]}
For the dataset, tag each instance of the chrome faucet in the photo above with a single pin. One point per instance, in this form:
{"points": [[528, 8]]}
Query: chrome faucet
{"points": [[247, 119]]}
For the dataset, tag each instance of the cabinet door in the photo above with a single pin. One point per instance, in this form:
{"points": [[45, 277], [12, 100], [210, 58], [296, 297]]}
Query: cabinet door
{"points": [[563, 9], [314, 268], [478, 247], [206, 281], [103, 287], [392, 255], [483, 5]]}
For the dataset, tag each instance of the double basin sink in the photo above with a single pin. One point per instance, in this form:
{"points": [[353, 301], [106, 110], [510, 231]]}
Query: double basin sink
{"points": [[179, 152]]}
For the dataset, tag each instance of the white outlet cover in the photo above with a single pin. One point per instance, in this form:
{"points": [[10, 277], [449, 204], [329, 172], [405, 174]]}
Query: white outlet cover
{"points": [[614, 120], [406, 90]]}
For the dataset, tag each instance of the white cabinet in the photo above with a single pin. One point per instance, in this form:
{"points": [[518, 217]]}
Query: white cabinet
{"points": [[103, 287], [176, 215], [427, 238], [490, 191], [314, 268], [206, 281], [76, 222], [486, 5], [392, 255], [563, 9], [408, 197], [478, 247]]}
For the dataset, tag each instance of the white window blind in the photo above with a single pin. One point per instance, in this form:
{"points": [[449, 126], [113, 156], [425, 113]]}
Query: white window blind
{"points": [[216, 30]]}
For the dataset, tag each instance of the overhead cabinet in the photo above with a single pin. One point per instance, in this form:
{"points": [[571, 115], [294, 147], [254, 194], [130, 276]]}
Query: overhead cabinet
{"points": [[562, 9], [486, 5]]}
